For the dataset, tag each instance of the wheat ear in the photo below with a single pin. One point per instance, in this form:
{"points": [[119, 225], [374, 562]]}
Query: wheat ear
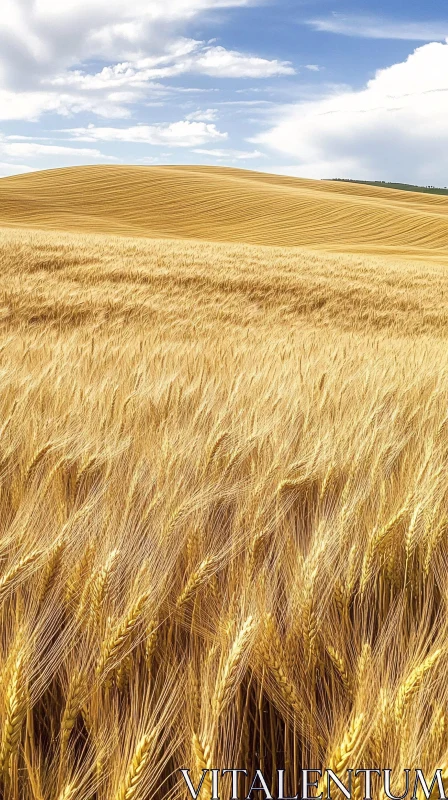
{"points": [[195, 580], [15, 714], [37, 458], [81, 569], [217, 444], [114, 645], [82, 472], [413, 683], [151, 639], [410, 532], [101, 584], [309, 625], [340, 667], [51, 568], [274, 657], [202, 757], [133, 778], [228, 678], [71, 710], [376, 542], [15, 573], [382, 725], [342, 755], [68, 792]]}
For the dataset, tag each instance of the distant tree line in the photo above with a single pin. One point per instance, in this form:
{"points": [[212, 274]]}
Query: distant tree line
{"points": [[407, 187]]}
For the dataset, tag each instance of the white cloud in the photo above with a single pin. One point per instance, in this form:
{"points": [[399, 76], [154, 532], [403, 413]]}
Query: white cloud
{"points": [[232, 155], [250, 103], [38, 38], [33, 150], [31, 105], [380, 28], [396, 128], [47, 45], [203, 115], [15, 137], [313, 67], [13, 169], [138, 73], [219, 62], [185, 56], [176, 134], [39, 156], [26, 105]]}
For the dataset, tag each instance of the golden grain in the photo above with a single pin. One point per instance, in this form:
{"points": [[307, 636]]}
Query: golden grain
{"points": [[134, 776], [222, 478]]}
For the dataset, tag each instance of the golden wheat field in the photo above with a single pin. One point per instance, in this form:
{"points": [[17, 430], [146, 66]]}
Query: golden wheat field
{"points": [[224, 481]]}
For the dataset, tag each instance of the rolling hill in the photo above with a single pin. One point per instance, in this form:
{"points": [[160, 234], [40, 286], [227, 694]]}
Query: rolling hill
{"points": [[228, 205]]}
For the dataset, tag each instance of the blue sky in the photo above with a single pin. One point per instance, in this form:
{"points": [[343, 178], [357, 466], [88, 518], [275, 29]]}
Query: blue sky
{"points": [[312, 88]]}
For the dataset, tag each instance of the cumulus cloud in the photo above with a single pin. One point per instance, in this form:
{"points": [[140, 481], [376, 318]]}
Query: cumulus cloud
{"points": [[47, 49], [37, 38], [396, 128], [380, 28], [176, 134]]}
